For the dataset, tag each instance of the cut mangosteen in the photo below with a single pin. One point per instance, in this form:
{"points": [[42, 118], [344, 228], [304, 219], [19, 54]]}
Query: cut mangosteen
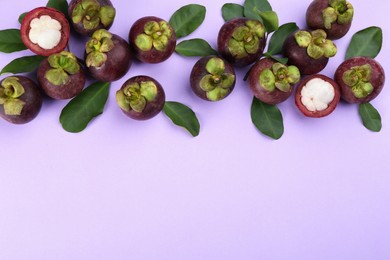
{"points": [[241, 41], [152, 39], [107, 56], [141, 97], [273, 82], [20, 99], [61, 76], [45, 31], [317, 96], [87, 16], [212, 78], [361, 79], [333, 16], [309, 51]]}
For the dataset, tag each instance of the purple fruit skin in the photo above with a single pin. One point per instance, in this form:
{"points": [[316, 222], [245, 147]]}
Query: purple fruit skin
{"points": [[78, 27], [225, 34], [298, 56], [199, 71], [314, 20], [377, 79], [33, 103], [69, 90], [118, 63], [275, 97], [152, 108], [152, 56]]}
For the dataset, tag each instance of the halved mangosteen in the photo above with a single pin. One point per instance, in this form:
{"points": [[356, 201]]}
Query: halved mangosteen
{"points": [[45, 31]]}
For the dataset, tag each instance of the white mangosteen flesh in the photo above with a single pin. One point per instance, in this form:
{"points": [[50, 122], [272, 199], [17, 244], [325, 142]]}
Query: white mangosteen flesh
{"points": [[45, 32], [317, 94]]}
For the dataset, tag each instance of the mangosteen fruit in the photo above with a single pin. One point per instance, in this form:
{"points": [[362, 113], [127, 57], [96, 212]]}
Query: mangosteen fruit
{"points": [[141, 97], [45, 31], [273, 82], [61, 76], [361, 79], [309, 50], [212, 78], [107, 56], [333, 16], [20, 99], [241, 41], [317, 96], [87, 16], [152, 39]]}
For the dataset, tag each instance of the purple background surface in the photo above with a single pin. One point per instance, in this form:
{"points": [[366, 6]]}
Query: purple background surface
{"points": [[147, 190]]}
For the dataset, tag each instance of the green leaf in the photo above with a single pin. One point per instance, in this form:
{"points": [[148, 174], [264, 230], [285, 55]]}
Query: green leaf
{"points": [[278, 59], [23, 65], [10, 41], [279, 37], [60, 5], [252, 8], [231, 11], [84, 107], [195, 47], [270, 20], [187, 19], [267, 118], [367, 42], [370, 116], [183, 116], [21, 17]]}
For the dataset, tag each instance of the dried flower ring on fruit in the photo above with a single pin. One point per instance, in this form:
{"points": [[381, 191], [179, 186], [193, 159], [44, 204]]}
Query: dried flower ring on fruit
{"points": [[45, 31]]}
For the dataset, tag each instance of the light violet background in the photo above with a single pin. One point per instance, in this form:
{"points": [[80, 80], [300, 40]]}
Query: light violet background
{"points": [[124, 189]]}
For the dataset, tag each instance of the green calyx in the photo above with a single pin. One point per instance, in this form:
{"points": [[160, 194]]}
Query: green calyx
{"points": [[279, 77], [10, 92], [339, 11], [156, 34], [317, 44], [97, 47], [358, 79], [135, 96], [217, 83], [245, 39], [62, 65], [92, 14]]}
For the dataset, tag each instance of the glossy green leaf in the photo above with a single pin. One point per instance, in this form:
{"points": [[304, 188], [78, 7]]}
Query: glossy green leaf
{"points": [[195, 47], [90, 103], [10, 41], [183, 116], [367, 42], [277, 58], [270, 20], [60, 5], [187, 19], [232, 11], [370, 117], [23, 64], [21, 17], [279, 37], [252, 8], [267, 118]]}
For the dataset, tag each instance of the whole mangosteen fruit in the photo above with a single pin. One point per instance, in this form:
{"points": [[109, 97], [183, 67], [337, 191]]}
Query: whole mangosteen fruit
{"points": [[87, 16], [45, 31], [212, 78], [241, 41], [141, 97], [152, 39], [273, 82], [317, 96], [107, 56], [20, 99], [333, 16], [309, 50], [61, 76], [361, 79]]}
